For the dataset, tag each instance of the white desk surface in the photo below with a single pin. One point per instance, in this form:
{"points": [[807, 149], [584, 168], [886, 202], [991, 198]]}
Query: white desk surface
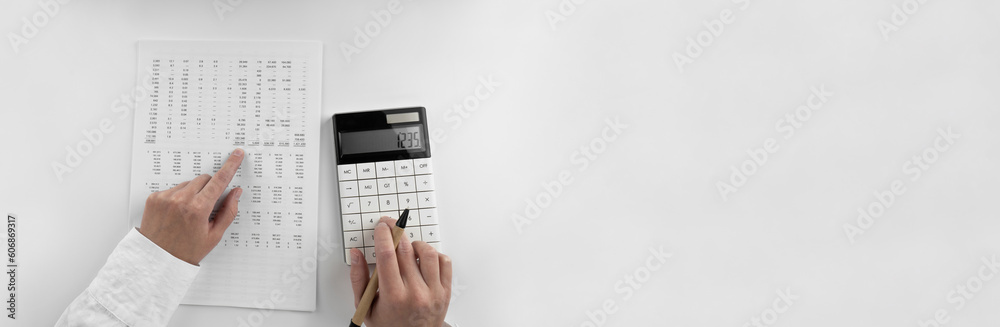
{"points": [[654, 185]]}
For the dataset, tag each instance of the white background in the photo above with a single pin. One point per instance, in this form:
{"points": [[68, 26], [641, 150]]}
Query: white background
{"points": [[654, 185]]}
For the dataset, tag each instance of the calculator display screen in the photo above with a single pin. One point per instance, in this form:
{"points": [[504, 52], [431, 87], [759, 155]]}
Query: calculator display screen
{"points": [[380, 140]]}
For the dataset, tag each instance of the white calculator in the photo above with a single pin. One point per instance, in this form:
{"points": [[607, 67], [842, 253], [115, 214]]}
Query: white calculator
{"points": [[383, 167]]}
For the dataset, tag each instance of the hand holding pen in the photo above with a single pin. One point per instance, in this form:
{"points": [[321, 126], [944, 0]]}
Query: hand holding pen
{"points": [[414, 281]]}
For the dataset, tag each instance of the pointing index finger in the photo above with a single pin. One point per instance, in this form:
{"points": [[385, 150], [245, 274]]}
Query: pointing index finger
{"points": [[221, 180]]}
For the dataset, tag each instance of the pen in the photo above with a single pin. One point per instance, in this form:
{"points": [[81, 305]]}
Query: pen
{"points": [[366, 299]]}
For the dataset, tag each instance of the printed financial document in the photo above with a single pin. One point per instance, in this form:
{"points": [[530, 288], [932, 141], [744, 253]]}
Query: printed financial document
{"points": [[199, 100]]}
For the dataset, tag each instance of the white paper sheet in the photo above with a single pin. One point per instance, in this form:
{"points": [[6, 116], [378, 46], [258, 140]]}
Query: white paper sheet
{"points": [[199, 100]]}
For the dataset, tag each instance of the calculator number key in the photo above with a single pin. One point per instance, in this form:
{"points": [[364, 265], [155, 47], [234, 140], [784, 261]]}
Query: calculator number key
{"points": [[370, 254], [369, 220], [413, 233], [408, 201], [387, 202], [390, 214], [369, 204]]}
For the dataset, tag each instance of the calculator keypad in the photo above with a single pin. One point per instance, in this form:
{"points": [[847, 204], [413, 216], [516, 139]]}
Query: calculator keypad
{"points": [[371, 190]]}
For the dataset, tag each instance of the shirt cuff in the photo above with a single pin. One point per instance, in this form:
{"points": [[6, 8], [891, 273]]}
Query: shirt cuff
{"points": [[141, 283]]}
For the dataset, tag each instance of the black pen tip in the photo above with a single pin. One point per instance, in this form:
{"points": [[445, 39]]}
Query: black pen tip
{"points": [[354, 325], [401, 223]]}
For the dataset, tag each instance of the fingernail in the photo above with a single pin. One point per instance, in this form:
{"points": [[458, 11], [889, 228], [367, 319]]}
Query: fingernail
{"points": [[239, 191], [354, 257], [238, 152]]}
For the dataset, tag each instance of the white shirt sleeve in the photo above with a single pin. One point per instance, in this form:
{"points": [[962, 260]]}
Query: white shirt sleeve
{"points": [[140, 285]]}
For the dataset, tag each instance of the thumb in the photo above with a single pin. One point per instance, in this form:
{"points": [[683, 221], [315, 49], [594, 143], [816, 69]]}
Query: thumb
{"points": [[359, 274], [227, 212]]}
